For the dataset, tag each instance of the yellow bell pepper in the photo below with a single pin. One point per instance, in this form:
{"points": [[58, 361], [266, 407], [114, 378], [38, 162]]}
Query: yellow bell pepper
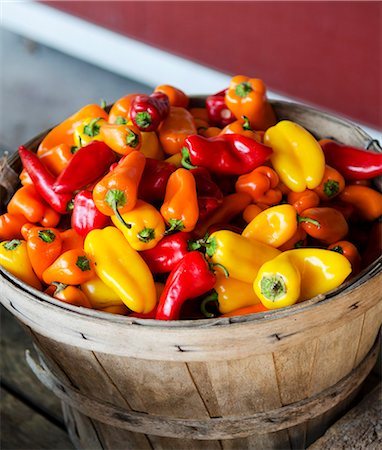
{"points": [[100, 294], [14, 258], [273, 226], [233, 294], [297, 157], [144, 226], [151, 147], [300, 274], [240, 256], [122, 268], [88, 131]]}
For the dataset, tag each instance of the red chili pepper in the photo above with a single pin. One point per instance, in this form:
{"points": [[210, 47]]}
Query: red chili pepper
{"points": [[228, 154], [148, 111], [86, 216], [353, 163], [190, 278], [218, 113], [44, 182], [87, 165], [152, 186], [167, 253], [209, 194]]}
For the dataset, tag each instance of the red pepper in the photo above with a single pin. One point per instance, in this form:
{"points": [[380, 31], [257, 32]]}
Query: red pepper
{"points": [[353, 163], [148, 111], [152, 186], [86, 216], [44, 182], [167, 253], [190, 278], [87, 165], [209, 194], [218, 113], [228, 154]]}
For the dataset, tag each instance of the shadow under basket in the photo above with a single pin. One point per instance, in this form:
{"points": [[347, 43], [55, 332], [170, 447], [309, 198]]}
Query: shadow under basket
{"points": [[274, 380]]}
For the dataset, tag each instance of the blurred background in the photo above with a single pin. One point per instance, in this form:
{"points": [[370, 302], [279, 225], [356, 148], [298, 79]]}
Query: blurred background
{"points": [[58, 56]]}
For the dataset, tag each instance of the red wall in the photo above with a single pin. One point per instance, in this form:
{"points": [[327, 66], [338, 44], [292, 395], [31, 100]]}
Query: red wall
{"points": [[327, 53]]}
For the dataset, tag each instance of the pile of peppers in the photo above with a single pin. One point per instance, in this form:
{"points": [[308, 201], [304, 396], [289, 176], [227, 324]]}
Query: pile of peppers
{"points": [[155, 209]]}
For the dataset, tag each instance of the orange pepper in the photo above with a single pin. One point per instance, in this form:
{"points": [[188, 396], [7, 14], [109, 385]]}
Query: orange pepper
{"points": [[116, 192], [243, 127], [71, 239], [27, 201], [332, 184], [69, 294], [366, 201], [247, 97], [200, 124], [252, 210], [151, 147], [57, 158], [298, 240], [253, 309], [350, 251], [180, 208], [210, 131], [119, 112], [325, 224], [175, 95], [303, 200], [10, 226], [231, 206], [25, 178], [72, 267], [261, 184], [123, 139], [175, 128], [116, 309], [63, 133], [44, 246], [199, 113]]}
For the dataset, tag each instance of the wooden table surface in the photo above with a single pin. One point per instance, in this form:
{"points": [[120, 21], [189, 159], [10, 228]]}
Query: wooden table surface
{"points": [[31, 416]]}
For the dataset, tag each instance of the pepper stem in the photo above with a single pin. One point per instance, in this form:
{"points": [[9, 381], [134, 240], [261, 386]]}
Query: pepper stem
{"points": [[146, 235], [186, 161], [47, 236], [273, 286], [11, 245], [175, 225], [221, 267], [246, 125], [116, 198], [309, 220], [210, 299]]}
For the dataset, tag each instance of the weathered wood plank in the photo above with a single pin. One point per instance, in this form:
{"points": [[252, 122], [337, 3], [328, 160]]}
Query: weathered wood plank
{"points": [[359, 429], [14, 340], [22, 428]]}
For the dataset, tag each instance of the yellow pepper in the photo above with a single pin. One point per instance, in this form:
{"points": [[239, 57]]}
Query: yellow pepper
{"points": [[14, 258], [175, 159], [297, 157], [273, 226], [300, 274], [150, 145], [144, 226], [240, 256], [233, 294], [88, 131], [122, 268], [100, 294]]}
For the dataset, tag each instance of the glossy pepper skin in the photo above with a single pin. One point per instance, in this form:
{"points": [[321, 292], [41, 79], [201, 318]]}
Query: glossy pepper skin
{"points": [[218, 113], [148, 111], [87, 165], [69, 294], [367, 202], [152, 187], [167, 253], [175, 95], [247, 97], [332, 184], [145, 228], [121, 268], [116, 192], [352, 162], [88, 131], [350, 251], [44, 246], [122, 139], [14, 258], [209, 195], [325, 224], [44, 182], [319, 271], [227, 154], [180, 208], [241, 126], [191, 278], [86, 216], [57, 158], [261, 184], [100, 294], [297, 157], [119, 112], [240, 256], [273, 226], [29, 203], [10, 226], [72, 267]]}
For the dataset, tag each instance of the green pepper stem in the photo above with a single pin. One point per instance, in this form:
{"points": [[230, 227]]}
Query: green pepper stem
{"points": [[186, 162], [309, 220], [212, 298], [175, 225], [223, 268]]}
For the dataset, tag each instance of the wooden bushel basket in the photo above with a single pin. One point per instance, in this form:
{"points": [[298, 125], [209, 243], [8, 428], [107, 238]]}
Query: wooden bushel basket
{"points": [[274, 380]]}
